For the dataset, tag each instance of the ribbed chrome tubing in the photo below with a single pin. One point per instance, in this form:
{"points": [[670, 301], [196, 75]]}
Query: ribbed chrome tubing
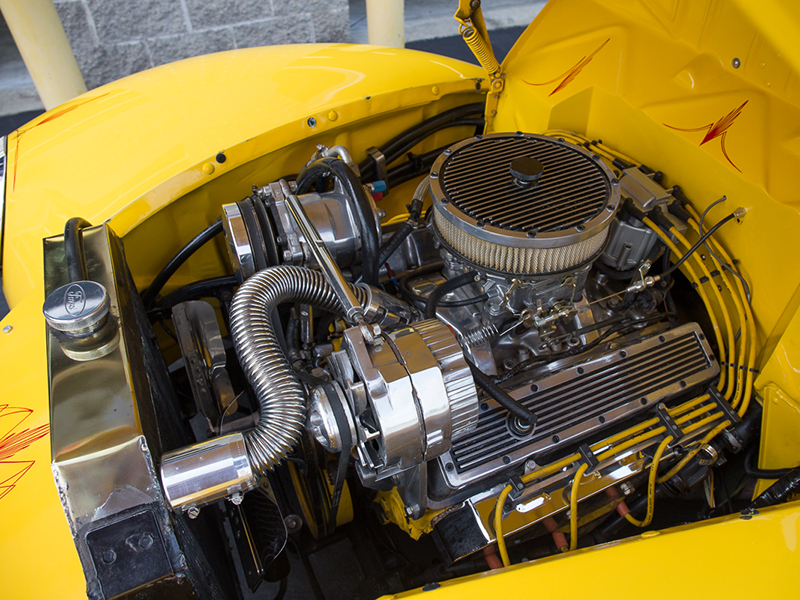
{"points": [[280, 395]]}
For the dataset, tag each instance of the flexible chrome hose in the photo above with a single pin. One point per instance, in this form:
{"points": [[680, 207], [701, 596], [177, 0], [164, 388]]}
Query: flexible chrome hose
{"points": [[280, 394]]}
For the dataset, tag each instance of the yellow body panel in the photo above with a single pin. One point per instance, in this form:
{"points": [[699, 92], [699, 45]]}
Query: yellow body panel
{"points": [[128, 149], [653, 79], [138, 145], [659, 81], [684, 562], [33, 527]]}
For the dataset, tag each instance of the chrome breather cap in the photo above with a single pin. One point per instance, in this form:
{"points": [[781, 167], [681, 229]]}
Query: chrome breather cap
{"points": [[77, 307]]}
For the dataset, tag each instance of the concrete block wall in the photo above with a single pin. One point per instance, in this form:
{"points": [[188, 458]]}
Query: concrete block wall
{"points": [[114, 38]]}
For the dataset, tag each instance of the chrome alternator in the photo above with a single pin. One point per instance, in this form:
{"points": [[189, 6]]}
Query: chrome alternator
{"points": [[403, 402]]}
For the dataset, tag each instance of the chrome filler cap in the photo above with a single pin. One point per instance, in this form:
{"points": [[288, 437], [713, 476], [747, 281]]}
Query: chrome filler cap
{"points": [[76, 307]]}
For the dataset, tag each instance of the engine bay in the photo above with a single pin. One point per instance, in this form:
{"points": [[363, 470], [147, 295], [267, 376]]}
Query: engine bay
{"points": [[548, 349]]}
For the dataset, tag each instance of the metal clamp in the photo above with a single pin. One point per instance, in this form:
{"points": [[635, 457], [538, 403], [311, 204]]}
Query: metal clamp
{"points": [[588, 457], [730, 434], [517, 487], [723, 405], [668, 422], [380, 165]]}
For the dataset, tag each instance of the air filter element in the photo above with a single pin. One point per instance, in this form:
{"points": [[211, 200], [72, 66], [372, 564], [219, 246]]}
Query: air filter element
{"points": [[522, 204]]}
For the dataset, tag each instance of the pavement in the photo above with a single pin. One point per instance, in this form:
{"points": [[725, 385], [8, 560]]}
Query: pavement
{"points": [[433, 19]]}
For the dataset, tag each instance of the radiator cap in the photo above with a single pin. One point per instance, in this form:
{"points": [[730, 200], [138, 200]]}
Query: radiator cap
{"points": [[77, 307]]}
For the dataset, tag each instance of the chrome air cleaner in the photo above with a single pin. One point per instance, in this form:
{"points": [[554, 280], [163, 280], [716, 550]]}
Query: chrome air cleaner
{"points": [[522, 204]]}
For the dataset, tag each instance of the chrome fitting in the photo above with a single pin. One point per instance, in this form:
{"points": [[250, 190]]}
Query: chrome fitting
{"points": [[206, 472]]}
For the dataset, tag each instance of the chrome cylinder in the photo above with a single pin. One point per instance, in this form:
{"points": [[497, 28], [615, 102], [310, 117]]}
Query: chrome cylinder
{"points": [[206, 472], [387, 311]]}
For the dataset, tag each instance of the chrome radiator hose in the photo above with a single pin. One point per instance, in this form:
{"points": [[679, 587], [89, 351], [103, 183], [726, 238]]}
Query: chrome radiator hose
{"points": [[280, 394]]}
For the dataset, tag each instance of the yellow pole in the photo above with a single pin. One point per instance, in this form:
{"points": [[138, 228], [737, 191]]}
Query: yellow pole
{"points": [[385, 25], [44, 47]]}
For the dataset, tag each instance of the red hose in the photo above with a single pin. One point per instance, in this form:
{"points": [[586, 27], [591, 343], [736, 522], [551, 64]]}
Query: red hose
{"points": [[491, 557]]}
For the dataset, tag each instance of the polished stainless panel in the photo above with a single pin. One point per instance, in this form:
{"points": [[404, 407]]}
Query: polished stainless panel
{"points": [[239, 248], [550, 496], [583, 399], [206, 472], [204, 355], [103, 431]]}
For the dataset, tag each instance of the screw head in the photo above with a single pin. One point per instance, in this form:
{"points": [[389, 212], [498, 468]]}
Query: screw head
{"points": [[145, 541], [312, 122], [237, 498], [109, 556], [736, 63], [293, 523], [7, 329], [192, 512]]}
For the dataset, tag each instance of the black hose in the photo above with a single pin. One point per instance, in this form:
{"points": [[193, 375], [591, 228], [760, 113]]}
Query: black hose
{"points": [[414, 213], [393, 149], [354, 191], [453, 118], [281, 589], [395, 241], [205, 288], [752, 469], [398, 151], [464, 302], [414, 167], [612, 273], [778, 492], [445, 288], [699, 243], [406, 291], [500, 395], [73, 249], [210, 232]]}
